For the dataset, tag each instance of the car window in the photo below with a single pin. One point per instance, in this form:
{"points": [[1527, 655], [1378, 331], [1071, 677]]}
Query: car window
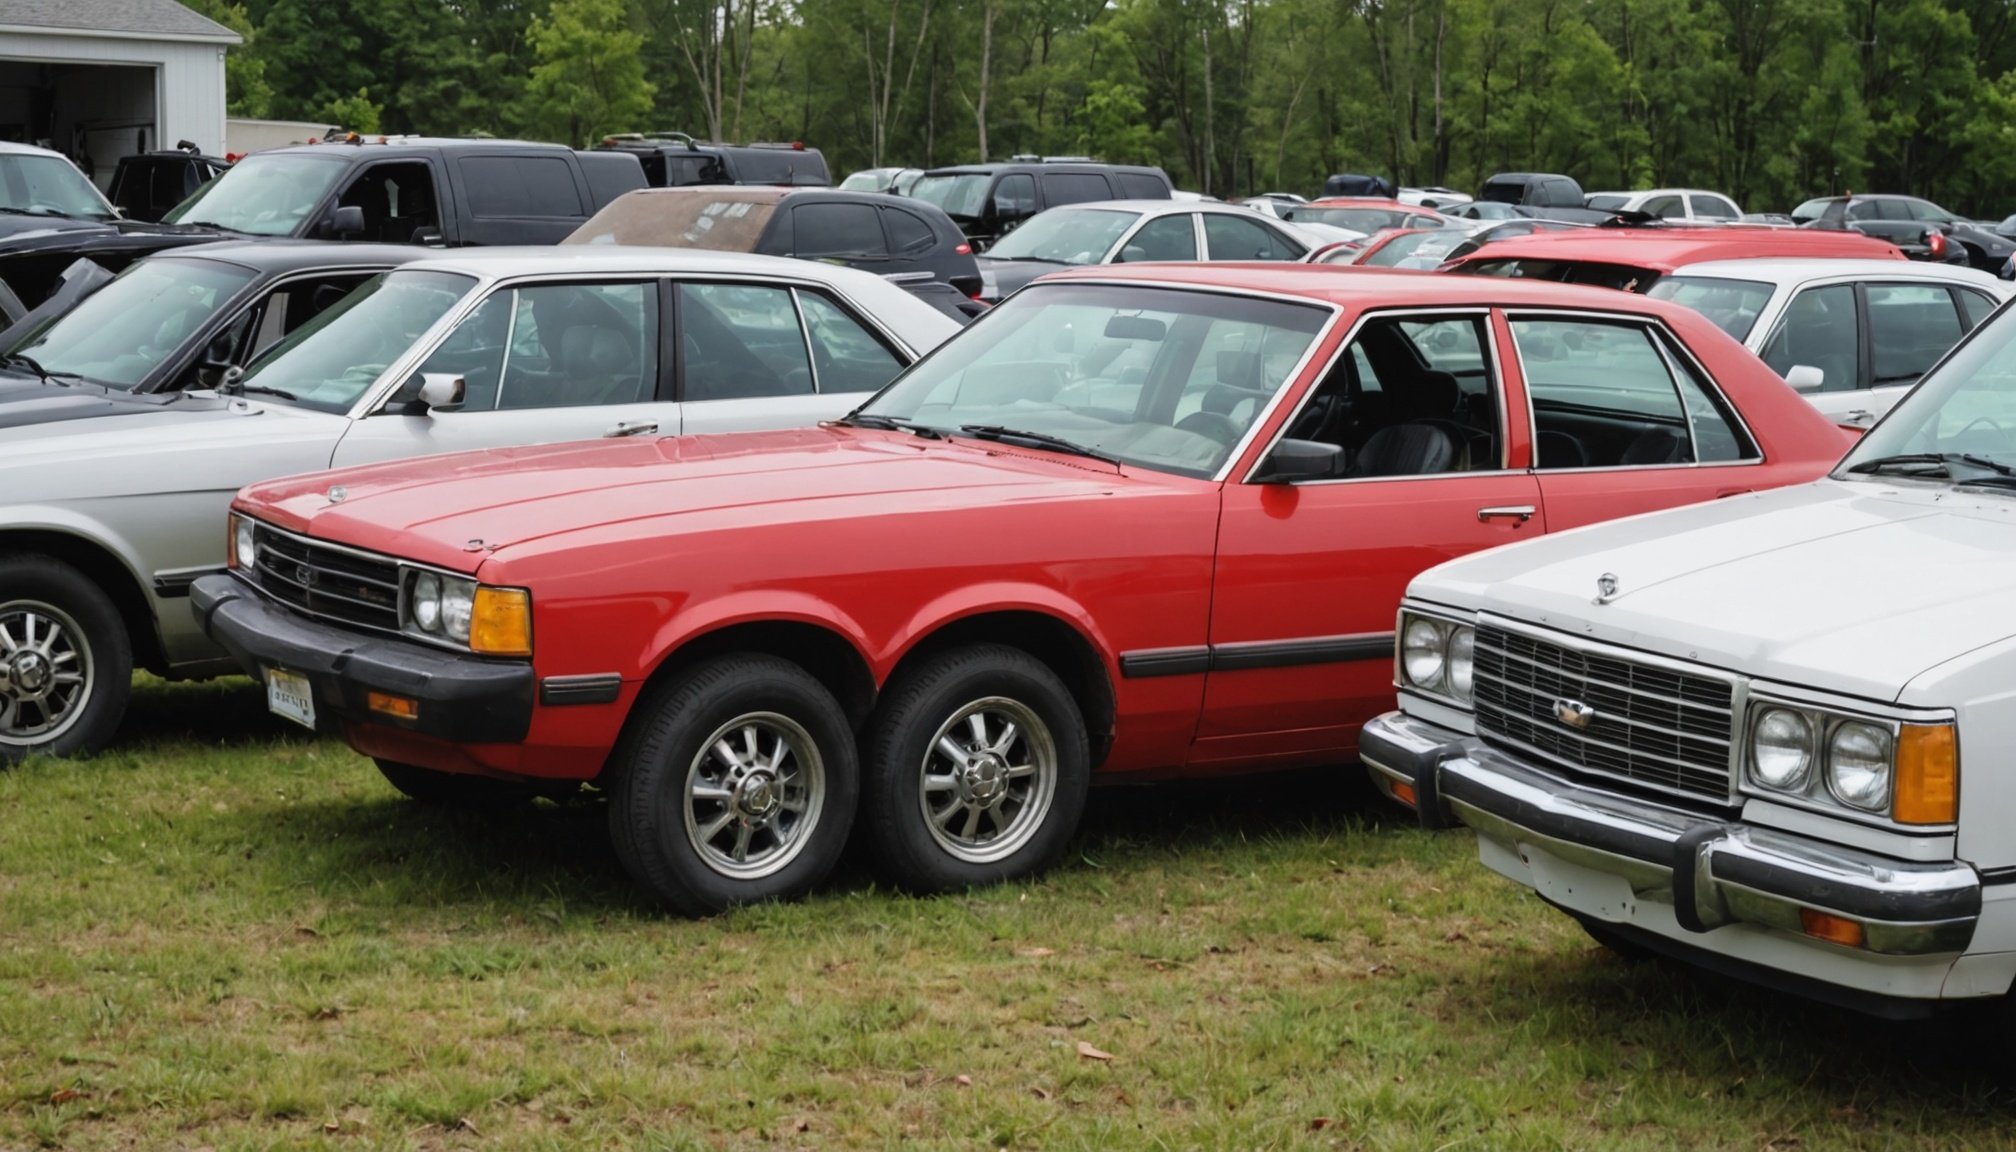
{"points": [[1927, 211], [1864, 210], [294, 304], [1713, 208], [1015, 195], [1141, 186], [1977, 305], [1604, 394], [123, 331], [1163, 238], [843, 231], [329, 362], [398, 202], [1229, 237], [1894, 210], [520, 186], [959, 193], [1074, 188], [848, 358], [1910, 326], [909, 234], [739, 341], [1733, 305], [1068, 236], [1605, 201], [556, 346], [1819, 330], [1664, 207]]}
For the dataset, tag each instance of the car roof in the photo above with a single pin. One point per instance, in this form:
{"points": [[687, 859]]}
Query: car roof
{"points": [[1157, 207], [1787, 270], [620, 259], [369, 143], [1351, 286], [1367, 202], [1665, 249], [296, 255], [1039, 166], [10, 148]]}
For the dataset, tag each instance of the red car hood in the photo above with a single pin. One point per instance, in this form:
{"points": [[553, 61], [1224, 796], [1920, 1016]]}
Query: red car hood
{"points": [[455, 511]]}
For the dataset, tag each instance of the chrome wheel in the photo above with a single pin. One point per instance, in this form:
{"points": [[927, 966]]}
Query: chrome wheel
{"points": [[753, 795], [989, 775], [45, 672]]}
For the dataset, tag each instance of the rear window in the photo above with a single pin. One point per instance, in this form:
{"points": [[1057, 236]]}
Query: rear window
{"points": [[725, 219], [1623, 277], [1074, 188], [1606, 201], [505, 186], [1504, 191], [956, 193], [794, 166], [1141, 186]]}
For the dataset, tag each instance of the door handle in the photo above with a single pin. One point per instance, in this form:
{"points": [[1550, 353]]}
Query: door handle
{"points": [[1728, 492], [1519, 512], [633, 428]]}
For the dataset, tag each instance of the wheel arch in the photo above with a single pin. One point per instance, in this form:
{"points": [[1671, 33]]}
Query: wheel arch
{"points": [[824, 644], [107, 567]]}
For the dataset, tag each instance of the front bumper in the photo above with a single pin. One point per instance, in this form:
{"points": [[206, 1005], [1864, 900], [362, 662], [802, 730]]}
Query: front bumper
{"points": [[463, 699], [1709, 873]]}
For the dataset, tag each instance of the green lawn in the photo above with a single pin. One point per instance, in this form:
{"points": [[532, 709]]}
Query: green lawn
{"points": [[227, 936]]}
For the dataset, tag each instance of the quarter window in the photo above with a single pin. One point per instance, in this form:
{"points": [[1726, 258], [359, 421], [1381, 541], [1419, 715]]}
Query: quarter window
{"points": [[1607, 395], [848, 357], [1074, 188], [741, 340], [909, 235], [1977, 306], [846, 231]]}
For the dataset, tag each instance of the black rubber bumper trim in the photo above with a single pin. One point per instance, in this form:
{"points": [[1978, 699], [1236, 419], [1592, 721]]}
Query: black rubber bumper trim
{"points": [[1686, 877], [465, 699], [1419, 768], [602, 688], [1165, 662]]}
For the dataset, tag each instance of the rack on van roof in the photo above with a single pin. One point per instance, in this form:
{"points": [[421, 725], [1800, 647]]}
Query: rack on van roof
{"points": [[1032, 158]]}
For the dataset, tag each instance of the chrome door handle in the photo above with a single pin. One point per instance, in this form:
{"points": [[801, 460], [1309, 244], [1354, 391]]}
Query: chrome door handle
{"points": [[1520, 512], [633, 428]]}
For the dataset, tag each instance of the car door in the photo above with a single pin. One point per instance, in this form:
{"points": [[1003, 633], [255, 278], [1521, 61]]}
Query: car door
{"points": [[756, 355], [913, 246], [542, 362], [1703, 206], [1309, 574], [1230, 237], [1168, 237], [1909, 327], [1625, 420], [1665, 208]]}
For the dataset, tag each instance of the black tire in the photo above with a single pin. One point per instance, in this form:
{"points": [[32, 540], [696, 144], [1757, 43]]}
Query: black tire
{"points": [[87, 630], [672, 744], [990, 832], [461, 790]]}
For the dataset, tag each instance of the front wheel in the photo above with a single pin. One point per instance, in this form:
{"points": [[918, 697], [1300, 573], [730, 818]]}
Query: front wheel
{"points": [[734, 784], [977, 770], [66, 663]]}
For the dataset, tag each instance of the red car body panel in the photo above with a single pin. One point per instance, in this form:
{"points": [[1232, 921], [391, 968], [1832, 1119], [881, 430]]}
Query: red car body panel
{"points": [[1664, 250], [634, 548]]}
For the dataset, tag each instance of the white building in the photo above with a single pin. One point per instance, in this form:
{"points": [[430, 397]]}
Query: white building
{"points": [[101, 79]]}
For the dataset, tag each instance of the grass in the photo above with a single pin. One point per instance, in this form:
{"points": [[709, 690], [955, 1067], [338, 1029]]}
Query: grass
{"points": [[229, 936]]}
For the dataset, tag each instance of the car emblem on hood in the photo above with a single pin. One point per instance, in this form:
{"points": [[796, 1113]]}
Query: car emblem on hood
{"points": [[1574, 713], [338, 494], [1606, 588]]}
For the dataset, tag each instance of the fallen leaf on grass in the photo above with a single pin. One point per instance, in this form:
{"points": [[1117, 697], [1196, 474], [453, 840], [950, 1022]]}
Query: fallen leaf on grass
{"points": [[331, 1127], [963, 1081], [463, 1125], [1091, 1053], [1319, 1123], [65, 1095], [1456, 937], [305, 930], [1036, 953], [1039, 1093]]}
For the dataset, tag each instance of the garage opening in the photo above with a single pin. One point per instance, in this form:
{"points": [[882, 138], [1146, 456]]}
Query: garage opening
{"points": [[92, 113]]}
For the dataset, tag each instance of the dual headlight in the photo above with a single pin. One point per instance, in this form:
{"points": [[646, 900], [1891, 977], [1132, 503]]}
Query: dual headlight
{"points": [[1907, 772], [489, 620], [1437, 656]]}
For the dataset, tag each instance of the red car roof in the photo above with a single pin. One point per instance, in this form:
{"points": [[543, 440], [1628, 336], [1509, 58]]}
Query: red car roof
{"points": [[1663, 250]]}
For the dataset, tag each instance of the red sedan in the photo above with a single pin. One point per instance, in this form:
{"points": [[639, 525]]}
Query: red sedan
{"points": [[1134, 522]]}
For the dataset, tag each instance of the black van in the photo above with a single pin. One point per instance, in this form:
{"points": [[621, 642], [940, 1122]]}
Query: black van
{"points": [[989, 200], [676, 160]]}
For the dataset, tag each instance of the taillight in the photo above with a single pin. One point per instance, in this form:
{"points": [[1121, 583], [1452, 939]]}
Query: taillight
{"points": [[1936, 243], [963, 250]]}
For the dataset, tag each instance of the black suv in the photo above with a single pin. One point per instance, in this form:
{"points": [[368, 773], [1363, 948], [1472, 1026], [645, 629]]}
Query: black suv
{"points": [[911, 243], [989, 200], [146, 186], [676, 160]]}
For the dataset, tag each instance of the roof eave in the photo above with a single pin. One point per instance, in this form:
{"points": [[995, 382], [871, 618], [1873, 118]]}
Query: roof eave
{"points": [[225, 37]]}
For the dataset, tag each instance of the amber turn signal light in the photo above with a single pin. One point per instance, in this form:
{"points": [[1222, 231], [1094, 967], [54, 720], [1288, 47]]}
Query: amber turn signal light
{"points": [[500, 622], [1827, 926], [1927, 786], [1404, 793], [401, 707]]}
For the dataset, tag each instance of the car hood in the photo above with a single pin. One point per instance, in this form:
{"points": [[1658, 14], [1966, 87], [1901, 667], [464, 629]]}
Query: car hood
{"points": [[1002, 278], [455, 511], [66, 445], [1851, 586]]}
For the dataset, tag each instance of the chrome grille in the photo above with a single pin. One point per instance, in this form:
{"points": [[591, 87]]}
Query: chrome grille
{"points": [[1652, 724], [334, 583]]}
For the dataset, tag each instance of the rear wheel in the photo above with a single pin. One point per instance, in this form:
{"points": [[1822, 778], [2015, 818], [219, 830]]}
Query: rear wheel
{"points": [[66, 662], [735, 783], [977, 770]]}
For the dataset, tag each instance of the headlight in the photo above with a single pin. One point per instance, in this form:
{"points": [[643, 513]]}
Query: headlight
{"points": [[1462, 667], [458, 601], [244, 549], [427, 602], [1858, 766], [1422, 658], [1781, 749]]}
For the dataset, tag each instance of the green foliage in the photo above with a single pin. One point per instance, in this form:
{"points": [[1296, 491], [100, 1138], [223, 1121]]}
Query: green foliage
{"points": [[589, 78], [356, 113], [1771, 100]]}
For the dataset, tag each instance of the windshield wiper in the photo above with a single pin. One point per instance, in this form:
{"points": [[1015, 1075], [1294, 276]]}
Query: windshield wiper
{"points": [[262, 390], [46, 376], [50, 212], [1002, 435], [1941, 459], [1023, 259], [889, 424]]}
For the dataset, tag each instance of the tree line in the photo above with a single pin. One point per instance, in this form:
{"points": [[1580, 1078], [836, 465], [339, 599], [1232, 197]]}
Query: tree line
{"points": [[1772, 101]]}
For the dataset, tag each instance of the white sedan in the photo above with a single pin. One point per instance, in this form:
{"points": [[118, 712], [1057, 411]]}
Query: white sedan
{"points": [[1852, 335]]}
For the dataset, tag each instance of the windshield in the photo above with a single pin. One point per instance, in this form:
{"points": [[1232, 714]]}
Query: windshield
{"points": [[1967, 405], [1416, 249], [1811, 209], [1164, 378], [48, 186], [1066, 237], [1605, 201], [123, 331], [959, 194], [266, 194], [328, 362], [1732, 304], [724, 219], [867, 180], [1365, 220]]}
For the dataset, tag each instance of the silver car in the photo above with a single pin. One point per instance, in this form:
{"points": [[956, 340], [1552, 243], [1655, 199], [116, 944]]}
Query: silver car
{"points": [[110, 509]]}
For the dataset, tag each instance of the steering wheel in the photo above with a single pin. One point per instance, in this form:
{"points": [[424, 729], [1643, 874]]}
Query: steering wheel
{"points": [[1988, 420]]}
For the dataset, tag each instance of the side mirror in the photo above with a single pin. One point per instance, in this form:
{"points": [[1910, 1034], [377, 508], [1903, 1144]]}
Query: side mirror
{"points": [[1805, 378], [1294, 460], [428, 392], [347, 220], [431, 237], [218, 354], [1133, 254]]}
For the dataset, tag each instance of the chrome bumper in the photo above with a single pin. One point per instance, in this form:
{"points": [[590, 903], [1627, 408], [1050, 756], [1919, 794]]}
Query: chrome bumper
{"points": [[1712, 872]]}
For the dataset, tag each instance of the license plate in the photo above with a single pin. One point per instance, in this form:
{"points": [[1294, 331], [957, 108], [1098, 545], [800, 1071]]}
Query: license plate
{"points": [[288, 694]]}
